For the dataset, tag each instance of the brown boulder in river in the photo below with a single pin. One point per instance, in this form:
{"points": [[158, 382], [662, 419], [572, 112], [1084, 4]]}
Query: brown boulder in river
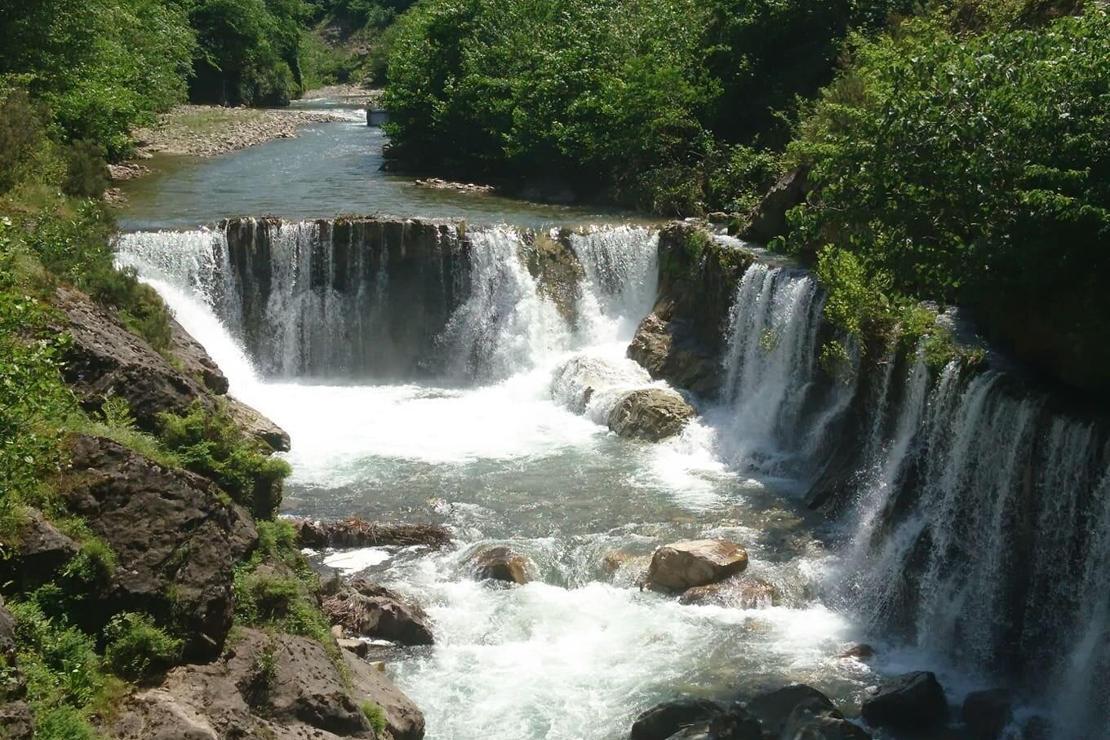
{"points": [[500, 563], [683, 565], [369, 610], [651, 414]]}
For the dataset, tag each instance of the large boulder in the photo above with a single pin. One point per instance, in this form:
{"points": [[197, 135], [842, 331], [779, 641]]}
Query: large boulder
{"points": [[664, 720], [280, 686], [768, 220], [40, 552], [369, 610], [681, 341], [667, 350], [403, 718], [500, 563], [16, 721], [683, 565], [651, 414], [987, 713], [255, 425], [912, 701], [800, 711], [175, 535]]}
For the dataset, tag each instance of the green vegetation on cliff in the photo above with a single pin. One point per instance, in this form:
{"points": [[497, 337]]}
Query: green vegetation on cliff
{"points": [[971, 167]]}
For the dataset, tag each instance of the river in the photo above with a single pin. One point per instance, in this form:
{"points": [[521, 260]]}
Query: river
{"points": [[502, 445]]}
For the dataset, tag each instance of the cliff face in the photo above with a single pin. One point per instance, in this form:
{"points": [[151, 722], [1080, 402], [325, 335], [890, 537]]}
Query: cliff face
{"points": [[681, 341], [127, 533]]}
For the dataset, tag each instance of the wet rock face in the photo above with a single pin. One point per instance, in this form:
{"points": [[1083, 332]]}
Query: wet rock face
{"points": [[800, 711], [738, 592], [987, 713], [556, 268], [370, 610], [500, 563], [682, 339], [664, 720], [690, 563], [650, 414], [913, 701], [175, 537], [106, 359], [355, 532], [267, 686]]}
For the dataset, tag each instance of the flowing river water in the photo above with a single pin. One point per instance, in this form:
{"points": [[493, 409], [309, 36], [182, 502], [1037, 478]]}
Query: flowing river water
{"points": [[502, 443]]}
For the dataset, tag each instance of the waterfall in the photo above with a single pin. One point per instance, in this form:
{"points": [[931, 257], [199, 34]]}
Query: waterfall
{"points": [[504, 326], [775, 415], [982, 535], [396, 300]]}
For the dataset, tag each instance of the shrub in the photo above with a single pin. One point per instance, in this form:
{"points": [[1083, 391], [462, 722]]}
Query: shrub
{"points": [[975, 169], [135, 647], [376, 715], [22, 137], [86, 170], [211, 444]]}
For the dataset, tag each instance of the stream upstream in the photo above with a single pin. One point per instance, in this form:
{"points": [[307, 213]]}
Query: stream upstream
{"points": [[507, 447]]}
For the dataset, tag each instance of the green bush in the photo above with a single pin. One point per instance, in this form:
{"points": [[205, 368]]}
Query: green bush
{"points": [[211, 444], [976, 169], [22, 138], [86, 170], [376, 715], [135, 647]]}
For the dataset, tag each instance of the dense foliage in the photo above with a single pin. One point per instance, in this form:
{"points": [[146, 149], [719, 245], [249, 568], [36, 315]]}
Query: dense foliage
{"points": [[672, 105], [975, 168]]}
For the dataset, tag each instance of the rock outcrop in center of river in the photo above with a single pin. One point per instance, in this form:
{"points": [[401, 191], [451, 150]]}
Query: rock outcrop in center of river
{"points": [[500, 563], [356, 532], [268, 685], [650, 414], [369, 610], [912, 702], [690, 563], [682, 339]]}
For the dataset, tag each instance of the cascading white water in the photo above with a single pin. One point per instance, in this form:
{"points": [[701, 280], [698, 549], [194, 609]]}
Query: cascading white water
{"points": [[769, 421], [504, 326], [969, 533], [981, 529]]}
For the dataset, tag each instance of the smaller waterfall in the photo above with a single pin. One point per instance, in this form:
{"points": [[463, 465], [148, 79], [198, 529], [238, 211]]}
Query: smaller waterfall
{"points": [[504, 326], [981, 534], [622, 274], [775, 414]]}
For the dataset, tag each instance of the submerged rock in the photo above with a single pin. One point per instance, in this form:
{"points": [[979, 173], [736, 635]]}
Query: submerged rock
{"points": [[683, 565], [857, 650], [266, 685], [500, 563], [651, 414], [664, 720], [987, 713], [734, 723], [800, 711], [741, 593], [175, 536], [912, 701], [370, 610]]}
